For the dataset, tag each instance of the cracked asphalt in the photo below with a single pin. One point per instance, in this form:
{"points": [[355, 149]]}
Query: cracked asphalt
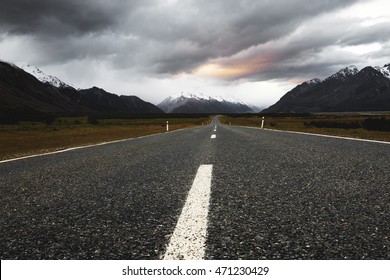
{"points": [[274, 195]]}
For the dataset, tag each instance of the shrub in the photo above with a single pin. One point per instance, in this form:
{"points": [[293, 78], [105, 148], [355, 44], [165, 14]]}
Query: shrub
{"points": [[333, 124], [380, 124]]}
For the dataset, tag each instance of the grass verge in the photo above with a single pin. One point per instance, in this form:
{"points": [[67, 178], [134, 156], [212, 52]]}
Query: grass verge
{"points": [[363, 126], [28, 138]]}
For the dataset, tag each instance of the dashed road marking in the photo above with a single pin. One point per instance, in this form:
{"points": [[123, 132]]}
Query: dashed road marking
{"points": [[189, 237], [213, 136]]}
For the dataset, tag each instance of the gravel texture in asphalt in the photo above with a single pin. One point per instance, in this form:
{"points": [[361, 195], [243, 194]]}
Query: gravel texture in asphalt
{"points": [[280, 195], [274, 195], [116, 201]]}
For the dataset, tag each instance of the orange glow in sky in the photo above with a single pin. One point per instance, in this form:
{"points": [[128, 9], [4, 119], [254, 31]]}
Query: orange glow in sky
{"points": [[220, 71], [233, 68]]}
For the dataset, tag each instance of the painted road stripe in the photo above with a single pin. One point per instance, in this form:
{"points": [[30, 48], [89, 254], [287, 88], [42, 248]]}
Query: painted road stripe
{"points": [[320, 135], [189, 237], [213, 136], [330, 136]]}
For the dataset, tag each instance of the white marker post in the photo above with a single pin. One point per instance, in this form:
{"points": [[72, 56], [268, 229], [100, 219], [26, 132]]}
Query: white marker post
{"points": [[167, 126], [262, 123]]}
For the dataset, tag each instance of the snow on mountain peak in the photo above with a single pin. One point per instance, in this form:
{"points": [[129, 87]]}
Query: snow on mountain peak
{"points": [[201, 96], [313, 81], [345, 72], [352, 69], [43, 77], [219, 103], [385, 70]]}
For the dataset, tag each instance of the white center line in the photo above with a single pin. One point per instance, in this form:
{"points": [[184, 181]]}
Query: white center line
{"points": [[213, 136], [189, 237]]}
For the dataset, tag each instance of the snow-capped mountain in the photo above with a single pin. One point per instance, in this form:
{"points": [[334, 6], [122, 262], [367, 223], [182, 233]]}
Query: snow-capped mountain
{"points": [[200, 103], [43, 77], [313, 82], [25, 98], [348, 90], [385, 70], [344, 73], [170, 103]]}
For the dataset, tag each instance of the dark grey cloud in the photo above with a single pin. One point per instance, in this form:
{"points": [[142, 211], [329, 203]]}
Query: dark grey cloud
{"points": [[316, 48], [63, 17], [379, 32], [151, 37], [213, 29]]}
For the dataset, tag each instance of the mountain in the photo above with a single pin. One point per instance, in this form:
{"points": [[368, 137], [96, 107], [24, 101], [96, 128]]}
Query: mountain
{"points": [[348, 90], [256, 109], [24, 97], [22, 93], [43, 77], [99, 100], [198, 103], [343, 74], [385, 70]]}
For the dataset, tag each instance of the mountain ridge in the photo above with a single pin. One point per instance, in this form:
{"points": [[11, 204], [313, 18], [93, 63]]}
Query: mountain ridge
{"points": [[199, 103], [42, 76], [25, 97], [348, 90]]}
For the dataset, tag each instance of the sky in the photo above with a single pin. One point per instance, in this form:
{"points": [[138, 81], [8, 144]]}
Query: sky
{"points": [[254, 51]]}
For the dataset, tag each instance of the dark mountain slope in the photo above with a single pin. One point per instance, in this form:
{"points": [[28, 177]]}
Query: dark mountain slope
{"points": [[138, 106], [20, 91], [99, 100], [345, 91], [24, 97]]}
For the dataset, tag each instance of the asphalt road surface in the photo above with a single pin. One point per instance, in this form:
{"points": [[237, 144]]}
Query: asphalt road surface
{"points": [[273, 195]]}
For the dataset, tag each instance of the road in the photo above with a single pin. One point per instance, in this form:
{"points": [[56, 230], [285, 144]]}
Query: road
{"points": [[272, 195]]}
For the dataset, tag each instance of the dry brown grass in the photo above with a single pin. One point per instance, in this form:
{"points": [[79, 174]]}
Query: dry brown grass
{"points": [[298, 124], [34, 138]]}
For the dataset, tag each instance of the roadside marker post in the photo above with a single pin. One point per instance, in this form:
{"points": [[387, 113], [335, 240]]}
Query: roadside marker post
{"points": [[262, 123], [167, 126]]}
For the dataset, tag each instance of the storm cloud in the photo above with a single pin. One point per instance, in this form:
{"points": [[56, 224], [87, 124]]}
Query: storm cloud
{"points": [[62, 18], [169, 36], [242, 40]]}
